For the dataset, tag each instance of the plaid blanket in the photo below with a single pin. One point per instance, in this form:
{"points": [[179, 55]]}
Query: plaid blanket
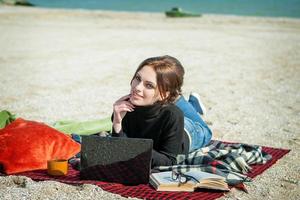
{"points": [[232, 161]]}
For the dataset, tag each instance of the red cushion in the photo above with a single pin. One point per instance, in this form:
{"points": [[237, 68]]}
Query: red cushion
{"points": [[27, 145]]}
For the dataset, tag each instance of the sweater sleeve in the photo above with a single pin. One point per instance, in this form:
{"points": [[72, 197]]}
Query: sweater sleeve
{"points": [[160, 159], [171, 139], [113, 132]]}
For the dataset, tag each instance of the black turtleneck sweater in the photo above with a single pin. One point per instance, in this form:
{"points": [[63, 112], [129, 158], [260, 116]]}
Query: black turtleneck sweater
{"points": [[164, 125]]}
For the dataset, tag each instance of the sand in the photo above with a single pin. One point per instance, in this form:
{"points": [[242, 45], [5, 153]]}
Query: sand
{"points": [[62, 64]]}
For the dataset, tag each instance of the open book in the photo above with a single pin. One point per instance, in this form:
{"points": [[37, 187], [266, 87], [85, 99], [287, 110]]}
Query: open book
{"points": [[165, 181]]}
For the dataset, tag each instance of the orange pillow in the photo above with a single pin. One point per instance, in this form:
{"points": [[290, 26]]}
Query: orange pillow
{"points": [[27, 145]]}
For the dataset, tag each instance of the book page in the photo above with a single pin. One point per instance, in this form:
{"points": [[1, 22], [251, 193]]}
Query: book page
{"points": [[200, 176], [165, 178], [163, 181]]}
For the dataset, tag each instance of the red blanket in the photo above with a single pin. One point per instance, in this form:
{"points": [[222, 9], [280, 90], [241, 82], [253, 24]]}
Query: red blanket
{"points": [[146, 191]]}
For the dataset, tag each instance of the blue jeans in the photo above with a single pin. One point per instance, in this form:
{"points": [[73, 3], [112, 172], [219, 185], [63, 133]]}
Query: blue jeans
{"points": [[197, 130]]}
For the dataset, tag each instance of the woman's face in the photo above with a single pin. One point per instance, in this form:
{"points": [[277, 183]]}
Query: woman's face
{"points": [[144, 89]]}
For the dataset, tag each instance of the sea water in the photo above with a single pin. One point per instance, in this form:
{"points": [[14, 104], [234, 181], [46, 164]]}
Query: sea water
{"points": [[270, 8]]}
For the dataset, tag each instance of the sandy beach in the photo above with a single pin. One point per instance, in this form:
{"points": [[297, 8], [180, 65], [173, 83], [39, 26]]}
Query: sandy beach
{"points": [[73, 64]]}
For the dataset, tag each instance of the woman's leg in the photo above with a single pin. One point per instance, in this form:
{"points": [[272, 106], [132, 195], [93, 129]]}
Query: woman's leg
{"points": [[196, 102], [188, 110], [199, 133]]}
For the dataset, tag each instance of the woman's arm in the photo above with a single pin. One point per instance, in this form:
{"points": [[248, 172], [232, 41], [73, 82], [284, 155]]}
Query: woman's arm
{"points": [[171, 140], [120, 108]]}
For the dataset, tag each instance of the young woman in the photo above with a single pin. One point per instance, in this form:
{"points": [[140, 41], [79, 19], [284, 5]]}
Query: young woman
{"points": [[149, 111]]}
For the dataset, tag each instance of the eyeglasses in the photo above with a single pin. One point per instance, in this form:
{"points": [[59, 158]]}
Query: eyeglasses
{"points": [[181, 177]]}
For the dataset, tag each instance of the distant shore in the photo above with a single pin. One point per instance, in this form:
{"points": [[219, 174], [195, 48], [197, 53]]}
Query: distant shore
{"points": [[271, 8], [16, 2], [73, 64]]}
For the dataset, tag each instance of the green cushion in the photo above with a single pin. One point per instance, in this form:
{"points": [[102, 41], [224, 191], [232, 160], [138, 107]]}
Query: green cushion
{"points": [[84, 128], [6, 118]]}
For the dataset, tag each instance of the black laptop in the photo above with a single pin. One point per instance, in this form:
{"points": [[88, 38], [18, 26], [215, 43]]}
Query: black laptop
{"points": [[116, 159]]}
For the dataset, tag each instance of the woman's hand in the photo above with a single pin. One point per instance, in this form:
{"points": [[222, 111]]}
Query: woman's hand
{"points": [[120, 108]]}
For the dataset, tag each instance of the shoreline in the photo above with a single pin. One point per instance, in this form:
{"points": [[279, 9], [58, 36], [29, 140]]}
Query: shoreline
{"points": [[66, 64], [150, 12], [8, 8]]}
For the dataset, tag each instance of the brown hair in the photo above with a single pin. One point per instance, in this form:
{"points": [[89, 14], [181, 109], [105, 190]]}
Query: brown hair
{"points": [[169, 76]]}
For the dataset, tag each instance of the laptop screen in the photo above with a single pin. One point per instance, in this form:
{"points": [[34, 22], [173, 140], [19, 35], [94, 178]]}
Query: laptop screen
{"points": [[116, 159]]}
